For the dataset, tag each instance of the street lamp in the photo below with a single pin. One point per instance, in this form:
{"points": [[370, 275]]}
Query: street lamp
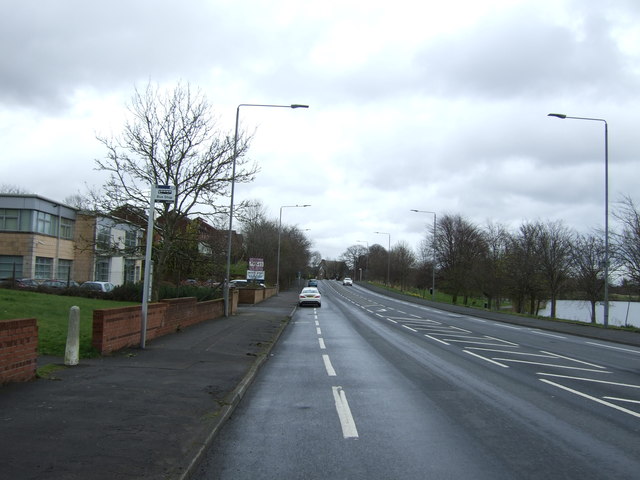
{"points": [[279, 233], [433, 248], [388, 254], [227, 310], [606, 206]]}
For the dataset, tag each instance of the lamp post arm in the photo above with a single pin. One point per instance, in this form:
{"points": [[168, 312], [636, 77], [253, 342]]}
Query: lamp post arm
{"points": [[606, 206]]}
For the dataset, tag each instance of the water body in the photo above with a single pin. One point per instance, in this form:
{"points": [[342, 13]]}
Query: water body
{"points": [[620, 313]]}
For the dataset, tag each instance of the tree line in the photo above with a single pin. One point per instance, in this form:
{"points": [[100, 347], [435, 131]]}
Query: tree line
{"points": [[540, 261]]}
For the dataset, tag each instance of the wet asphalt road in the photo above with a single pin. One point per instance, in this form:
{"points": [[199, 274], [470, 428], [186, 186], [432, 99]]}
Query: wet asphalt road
{"points": [[371, 387]]}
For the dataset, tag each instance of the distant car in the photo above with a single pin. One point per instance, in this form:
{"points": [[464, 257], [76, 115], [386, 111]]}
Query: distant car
{"points": [[27, 283], [310, 296], [58, 284], [312, 283], [98, 286], [347, 281]]}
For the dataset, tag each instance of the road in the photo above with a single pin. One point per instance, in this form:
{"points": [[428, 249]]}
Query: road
{"points": [[368, 387]]}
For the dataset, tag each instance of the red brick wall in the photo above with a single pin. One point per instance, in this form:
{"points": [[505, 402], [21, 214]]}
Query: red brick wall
{"points": [[255, 295], [18, 350], [117, 328]]}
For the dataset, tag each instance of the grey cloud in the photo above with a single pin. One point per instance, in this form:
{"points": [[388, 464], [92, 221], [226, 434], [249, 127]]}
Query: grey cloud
{"points": [[520, 55], [54, 48]]}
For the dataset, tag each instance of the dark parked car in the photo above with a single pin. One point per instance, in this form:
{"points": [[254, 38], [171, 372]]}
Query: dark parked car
{"points": [[29, 283], [23, 283], [58, 284]]}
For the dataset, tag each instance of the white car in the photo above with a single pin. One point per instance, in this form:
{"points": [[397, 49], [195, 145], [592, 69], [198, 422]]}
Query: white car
{"points": [[347, 281], [310, 296], [98, 286]]}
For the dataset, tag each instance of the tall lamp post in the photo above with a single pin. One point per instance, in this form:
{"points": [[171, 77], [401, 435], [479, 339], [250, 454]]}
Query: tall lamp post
{"points": [[388, 254], [606, 206], [279, 234], [433, 248], [227, 308]]}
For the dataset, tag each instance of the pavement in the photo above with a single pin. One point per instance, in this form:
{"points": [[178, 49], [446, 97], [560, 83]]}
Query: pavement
{"points": [[138, 413], [150, 414]]}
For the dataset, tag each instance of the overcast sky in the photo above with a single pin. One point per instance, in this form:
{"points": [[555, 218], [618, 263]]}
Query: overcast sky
{"points": [[428, 105]]}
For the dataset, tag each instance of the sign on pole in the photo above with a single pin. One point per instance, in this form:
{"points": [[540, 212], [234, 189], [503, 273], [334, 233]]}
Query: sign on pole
{"points": [[256, 269], [256, 264], [164, 194], [255, 275]]}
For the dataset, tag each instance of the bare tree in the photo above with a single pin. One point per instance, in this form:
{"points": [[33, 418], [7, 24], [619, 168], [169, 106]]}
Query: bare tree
{"points": [[294, 254], [13, 189], [377, 263], [171, 139], [261, 240], [459, 248], [425, 263], [402, 260], [554, 251], [627, 242], [523, 268], [588, 268], [79, 201], [492, 278], [354, 258]]}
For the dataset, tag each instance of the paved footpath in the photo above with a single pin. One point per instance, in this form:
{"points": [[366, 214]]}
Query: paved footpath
{"points": [[138, 413]]}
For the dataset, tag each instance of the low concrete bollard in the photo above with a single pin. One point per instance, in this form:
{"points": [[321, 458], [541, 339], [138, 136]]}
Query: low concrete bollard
{"points": [[71, 353]]}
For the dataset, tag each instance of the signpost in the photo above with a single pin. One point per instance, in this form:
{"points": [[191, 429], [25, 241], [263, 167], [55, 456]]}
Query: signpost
{"points": [[256, 269], [163, 194]]}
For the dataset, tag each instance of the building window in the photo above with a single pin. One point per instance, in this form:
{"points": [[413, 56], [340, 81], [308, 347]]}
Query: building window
{"points": [[64, 270], [130, 241], [46, 223], [103, 238], [129, 271], [66, 228], [102, 269], [9, 219], [44, 267], [10, 266], [14, 220]]}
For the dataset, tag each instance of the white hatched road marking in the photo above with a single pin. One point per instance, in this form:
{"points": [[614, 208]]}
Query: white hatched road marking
{"points": [[627, 400], [614, 348], [486, 359], [552, 365], [589, 397], [347, 423], [538, 332], [557, 355], [435, 329], [593, 380]]}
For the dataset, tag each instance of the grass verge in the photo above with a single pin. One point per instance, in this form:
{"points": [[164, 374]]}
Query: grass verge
{"points": [[52, 314]]}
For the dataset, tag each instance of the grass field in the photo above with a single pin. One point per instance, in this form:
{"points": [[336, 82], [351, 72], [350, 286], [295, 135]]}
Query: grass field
{"points": [[52, 314]]}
